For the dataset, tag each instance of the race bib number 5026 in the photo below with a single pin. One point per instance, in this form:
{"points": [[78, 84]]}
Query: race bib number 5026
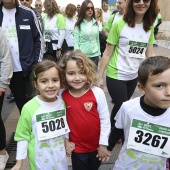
{"points": [[150, 138]]}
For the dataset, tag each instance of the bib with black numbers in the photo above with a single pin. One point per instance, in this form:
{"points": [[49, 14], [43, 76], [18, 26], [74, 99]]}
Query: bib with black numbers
{"points": [[150, 138], [51, 125], [47, 36], [136, 49]]}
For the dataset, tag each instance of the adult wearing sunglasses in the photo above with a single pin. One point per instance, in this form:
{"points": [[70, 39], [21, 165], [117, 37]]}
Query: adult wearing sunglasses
{"points": [[27, 3], [86, 32], [38, 6], [129, 42]]}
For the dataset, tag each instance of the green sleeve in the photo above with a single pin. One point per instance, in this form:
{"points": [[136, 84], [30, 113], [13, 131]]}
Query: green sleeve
{"points": [[23, 130], [151, 38], [61, 22], [114, 33], [76, 38], [109, 23]]}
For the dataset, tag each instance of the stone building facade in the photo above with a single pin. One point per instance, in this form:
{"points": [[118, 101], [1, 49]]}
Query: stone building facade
{"points": [[164, 28]]}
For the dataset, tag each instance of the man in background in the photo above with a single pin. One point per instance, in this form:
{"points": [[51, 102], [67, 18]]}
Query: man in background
{"points": [[106, 14], [38, 6], [21, 29], [120, 4]]}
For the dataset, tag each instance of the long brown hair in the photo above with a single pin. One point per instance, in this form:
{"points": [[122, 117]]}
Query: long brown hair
{"points": [[51, 8], [82, 12], [148, 19]]}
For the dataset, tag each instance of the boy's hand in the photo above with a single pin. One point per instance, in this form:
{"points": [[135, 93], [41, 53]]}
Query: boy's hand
{"points": [[70, 146], [103, 153], [17, 165]]}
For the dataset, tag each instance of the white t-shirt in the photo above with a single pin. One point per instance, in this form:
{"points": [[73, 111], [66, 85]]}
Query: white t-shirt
{"points": [[100, 25], [106, 16], [89, 29], [70, 23], [117, 16], [130, 159], [43, 154], [130, 47], [9, 28]]}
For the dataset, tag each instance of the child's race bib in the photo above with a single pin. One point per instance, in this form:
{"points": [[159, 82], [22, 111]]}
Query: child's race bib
{"points": [[149, 138], [51, 125]]}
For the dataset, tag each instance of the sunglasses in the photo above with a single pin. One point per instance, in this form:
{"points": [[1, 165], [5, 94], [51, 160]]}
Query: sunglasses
{"points": [[144, 1], [25, 0], [38, 5], [89, 8]]}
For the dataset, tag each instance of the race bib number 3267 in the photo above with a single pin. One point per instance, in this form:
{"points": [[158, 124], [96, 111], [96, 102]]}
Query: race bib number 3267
{"points": [[150, 138]]}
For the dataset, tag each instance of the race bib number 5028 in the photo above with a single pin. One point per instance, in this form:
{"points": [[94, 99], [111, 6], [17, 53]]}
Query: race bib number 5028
{"points": [[51, 125], [150, 138]]}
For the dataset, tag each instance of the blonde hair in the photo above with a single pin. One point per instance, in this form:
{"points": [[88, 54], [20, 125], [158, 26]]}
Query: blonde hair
{"points": [[83, 62], [99, 14]]}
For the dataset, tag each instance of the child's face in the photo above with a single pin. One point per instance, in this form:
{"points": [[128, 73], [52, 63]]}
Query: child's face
{"points": [[48, 85], [75, 76], [157, 90]]}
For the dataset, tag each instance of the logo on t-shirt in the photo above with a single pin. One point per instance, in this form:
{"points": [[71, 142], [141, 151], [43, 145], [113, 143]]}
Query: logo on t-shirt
{"points": [[88, 105]]}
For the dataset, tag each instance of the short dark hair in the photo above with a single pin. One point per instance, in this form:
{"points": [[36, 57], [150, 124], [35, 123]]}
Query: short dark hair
{"points": [[152, 66]]}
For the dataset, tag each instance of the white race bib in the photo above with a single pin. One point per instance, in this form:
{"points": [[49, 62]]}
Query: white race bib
{"points": [[150, 138], [51, 125], [136, 49], [47, 36]]}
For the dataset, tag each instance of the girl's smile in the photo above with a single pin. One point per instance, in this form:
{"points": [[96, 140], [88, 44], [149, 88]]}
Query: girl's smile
{"points": [[75, 77], [48, 85]]}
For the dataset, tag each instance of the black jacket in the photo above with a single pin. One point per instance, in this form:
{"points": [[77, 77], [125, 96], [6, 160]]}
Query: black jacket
{"points": [[28, 34]]}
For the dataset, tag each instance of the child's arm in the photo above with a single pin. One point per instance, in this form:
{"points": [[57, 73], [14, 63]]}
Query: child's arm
{"points": [[103, 153], [104, 116], [21, 154], [18, 165], [70, 146], [115, 135]]}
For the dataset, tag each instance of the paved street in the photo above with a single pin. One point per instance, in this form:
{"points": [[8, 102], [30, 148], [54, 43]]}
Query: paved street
{"points": [[10, 116]]}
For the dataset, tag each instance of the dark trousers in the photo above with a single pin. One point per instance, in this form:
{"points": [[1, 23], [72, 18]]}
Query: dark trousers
{"points": [[95, 60], [85, 161], [120, 91], [21, 88], [2, 127]]}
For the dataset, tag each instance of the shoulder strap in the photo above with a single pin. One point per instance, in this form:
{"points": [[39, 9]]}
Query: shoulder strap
{"points": [[114, 16]]}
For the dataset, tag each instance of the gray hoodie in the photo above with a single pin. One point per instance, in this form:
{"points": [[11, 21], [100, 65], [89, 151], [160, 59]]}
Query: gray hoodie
{"points": [[5, 62]]}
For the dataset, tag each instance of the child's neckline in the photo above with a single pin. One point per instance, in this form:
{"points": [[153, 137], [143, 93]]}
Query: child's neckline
{"points": [[151, 110], [79, 95]]}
